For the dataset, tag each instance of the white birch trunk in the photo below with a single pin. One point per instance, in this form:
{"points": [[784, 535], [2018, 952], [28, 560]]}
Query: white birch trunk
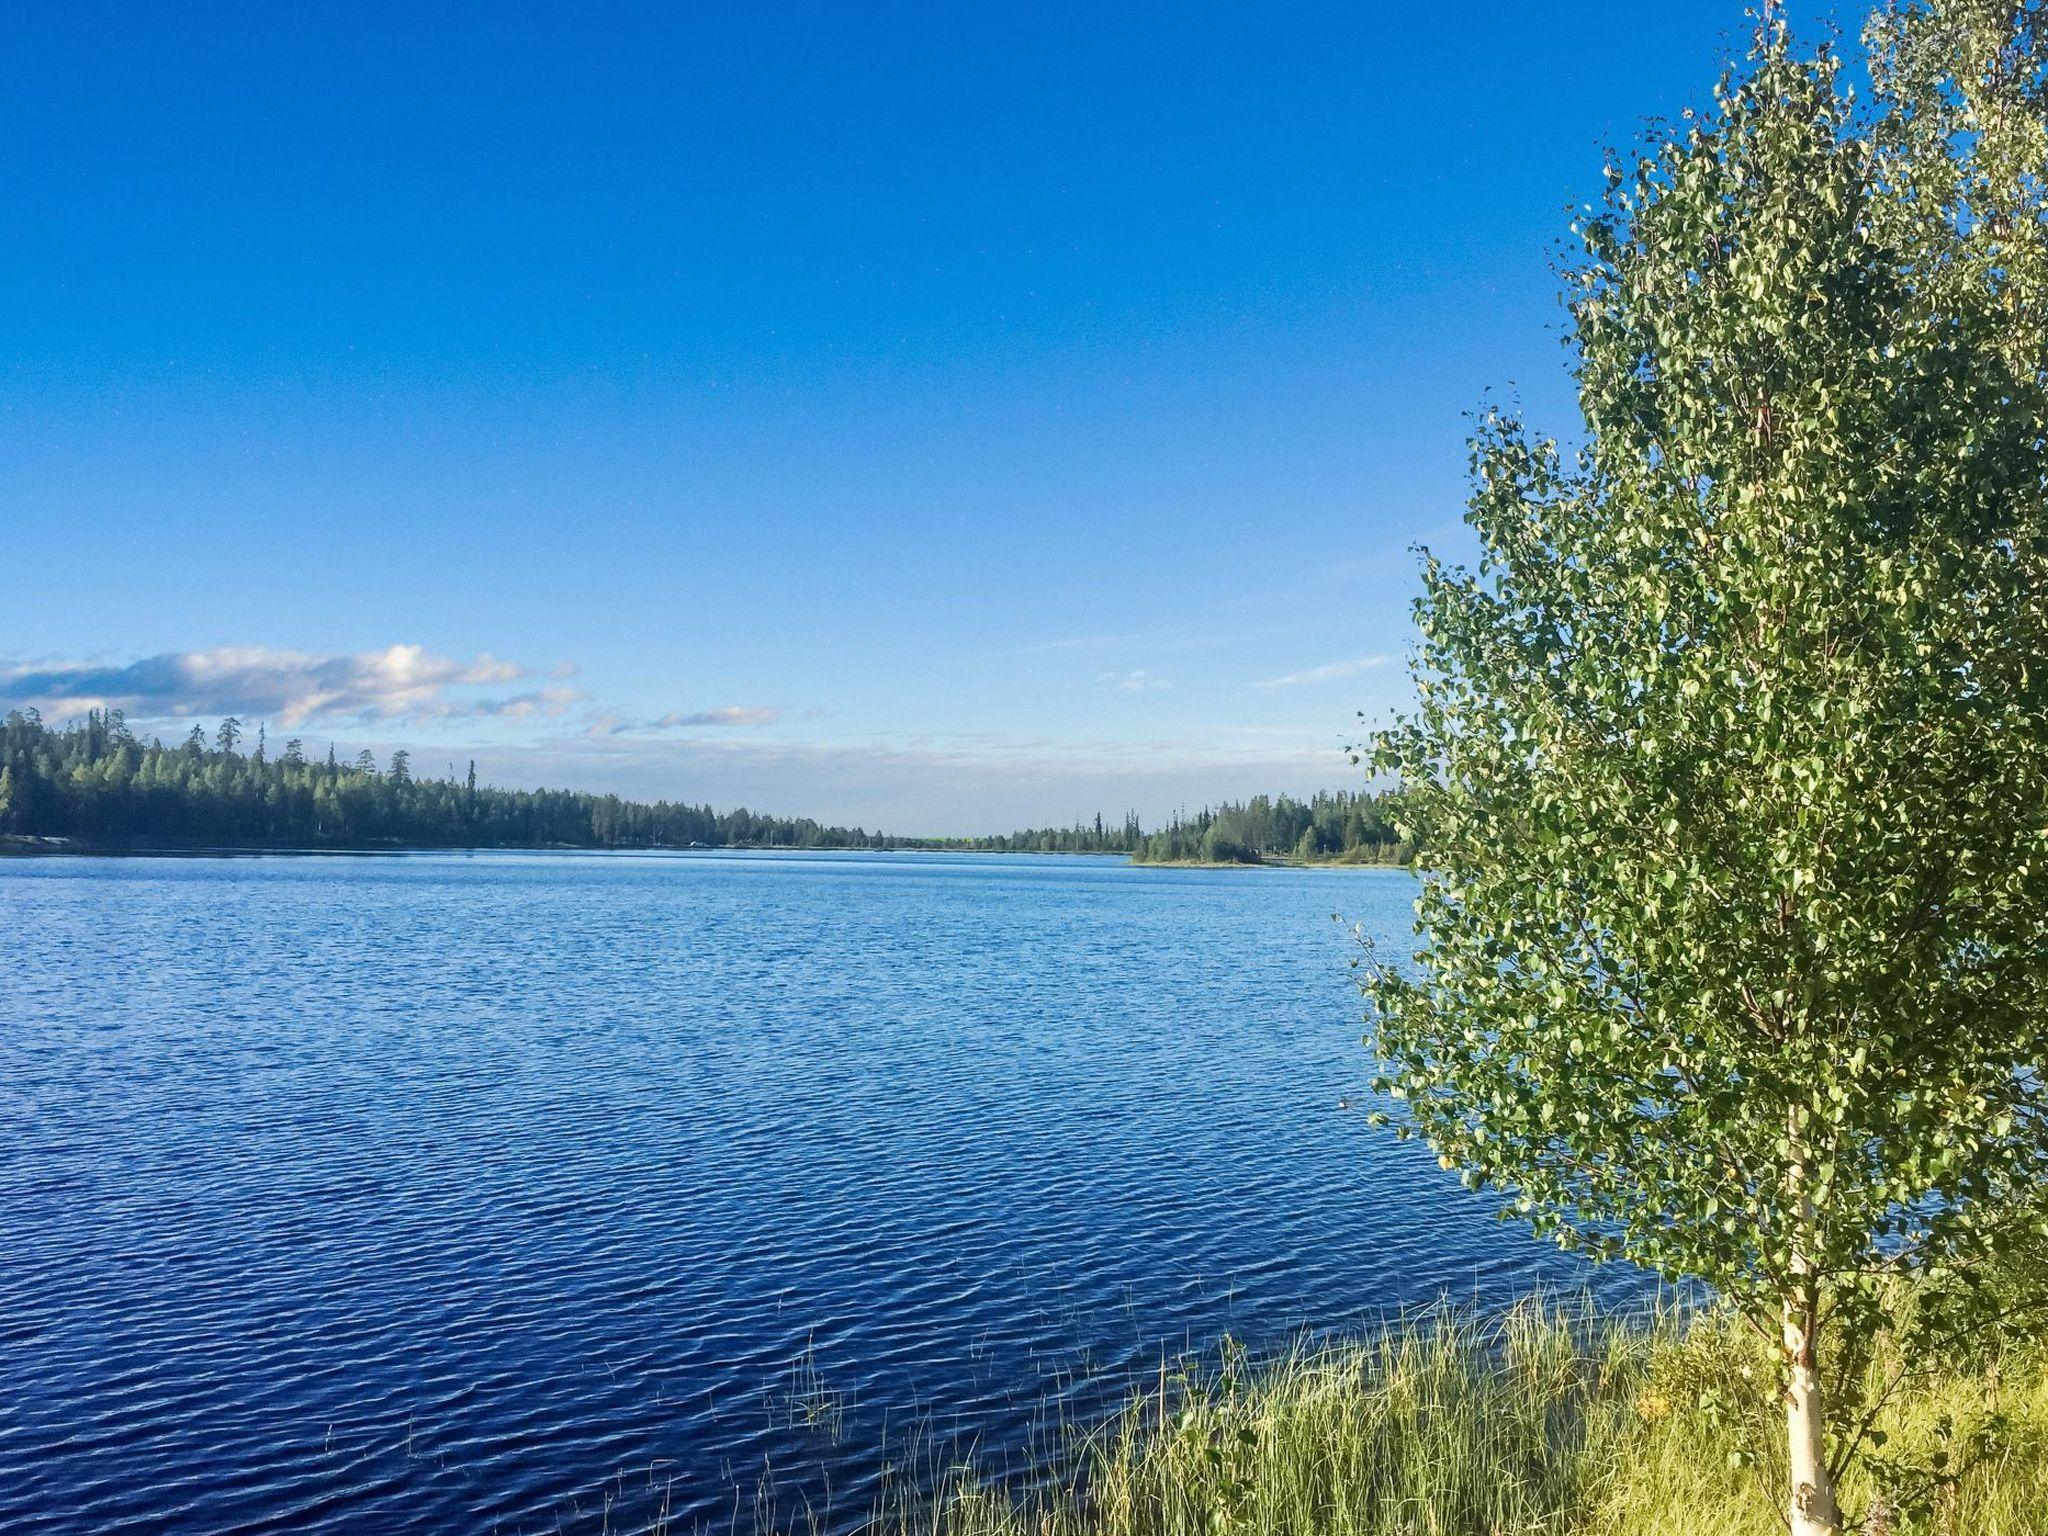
{"points": [[1812, 1511]]}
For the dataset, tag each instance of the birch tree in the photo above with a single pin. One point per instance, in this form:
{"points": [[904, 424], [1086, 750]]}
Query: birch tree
{"points": [[1730, 752]]}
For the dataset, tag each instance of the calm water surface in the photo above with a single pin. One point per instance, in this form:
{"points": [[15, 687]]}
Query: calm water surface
{"points": [[503, 1192]]}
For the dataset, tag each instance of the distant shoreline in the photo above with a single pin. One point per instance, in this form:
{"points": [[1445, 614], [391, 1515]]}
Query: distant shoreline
{"points": [[93, 787], [41, 846], [24, 845], [1336, 862]]}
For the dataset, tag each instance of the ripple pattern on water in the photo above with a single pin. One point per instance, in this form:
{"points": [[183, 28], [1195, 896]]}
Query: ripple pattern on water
{"points": [[545, 1192]]}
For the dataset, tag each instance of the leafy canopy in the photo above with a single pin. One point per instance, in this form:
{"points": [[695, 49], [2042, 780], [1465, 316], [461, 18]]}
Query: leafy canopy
{"points": [[1731, 754]]}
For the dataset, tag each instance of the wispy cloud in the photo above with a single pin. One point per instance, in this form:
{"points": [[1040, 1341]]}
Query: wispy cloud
{"points": [[976, 756], [399, 683], [725, 714], [954, 782], [1139, 681], [519, 706], [535, 727], [610, 722], [1325, 673]]}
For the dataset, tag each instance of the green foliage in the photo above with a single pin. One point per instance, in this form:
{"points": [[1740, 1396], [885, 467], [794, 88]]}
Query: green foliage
{"points": [[1732, 753], [1548, 1421], [1081, 837], [94, 780], [1333, 827]]}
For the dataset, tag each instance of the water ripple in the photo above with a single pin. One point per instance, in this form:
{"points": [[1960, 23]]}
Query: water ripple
{"points": [[533, 1193]]}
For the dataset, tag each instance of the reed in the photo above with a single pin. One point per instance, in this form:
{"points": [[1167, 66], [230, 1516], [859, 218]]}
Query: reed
{"points": [[1546, 1420]]}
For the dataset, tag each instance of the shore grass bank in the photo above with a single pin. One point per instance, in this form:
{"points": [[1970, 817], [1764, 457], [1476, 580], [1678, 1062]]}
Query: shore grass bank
{"points": [[1548, 1421]]}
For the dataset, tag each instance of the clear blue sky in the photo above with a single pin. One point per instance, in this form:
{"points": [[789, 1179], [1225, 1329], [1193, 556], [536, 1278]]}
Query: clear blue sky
{"points": [[938, 418]]}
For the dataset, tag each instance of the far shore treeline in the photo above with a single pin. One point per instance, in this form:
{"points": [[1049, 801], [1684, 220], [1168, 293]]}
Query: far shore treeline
{"points": [[94, 783]]}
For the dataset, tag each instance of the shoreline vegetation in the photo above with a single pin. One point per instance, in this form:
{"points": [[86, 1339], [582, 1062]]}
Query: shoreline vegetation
{"points": [[93, 786], [34, 845], [1552, 1417], [1731, 746]]}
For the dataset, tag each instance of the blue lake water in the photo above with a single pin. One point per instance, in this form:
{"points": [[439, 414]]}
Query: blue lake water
{"points": [[506, 1192]]}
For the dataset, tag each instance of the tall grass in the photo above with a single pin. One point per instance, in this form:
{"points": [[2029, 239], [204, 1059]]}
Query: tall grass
{"points": [[1549, 1419]]}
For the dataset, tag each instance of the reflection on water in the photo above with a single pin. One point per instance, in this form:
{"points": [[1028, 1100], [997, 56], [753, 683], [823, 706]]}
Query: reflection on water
{"points": [[535, 1192]]}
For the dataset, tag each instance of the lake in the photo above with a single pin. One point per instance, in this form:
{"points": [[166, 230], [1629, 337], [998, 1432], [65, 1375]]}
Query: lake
{"points": [[535, 1192]]}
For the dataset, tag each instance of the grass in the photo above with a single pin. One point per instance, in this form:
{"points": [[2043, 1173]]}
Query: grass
{"points": [[1550, 1420]]}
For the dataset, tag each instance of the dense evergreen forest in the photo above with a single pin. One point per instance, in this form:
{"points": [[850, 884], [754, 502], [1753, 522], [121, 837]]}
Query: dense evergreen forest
{"points": [[94, 781], [1335, 827], [97, 782], [1082, 837]]}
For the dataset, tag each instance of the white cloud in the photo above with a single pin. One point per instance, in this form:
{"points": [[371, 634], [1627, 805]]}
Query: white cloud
{"points": [[920, 781], [610, 722], [726, 714], [1139, 681], [1325, 673], [520, 706], [399, 683], [944, 783]]}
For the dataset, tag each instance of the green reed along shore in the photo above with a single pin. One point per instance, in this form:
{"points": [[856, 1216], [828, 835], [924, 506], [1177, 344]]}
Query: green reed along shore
{"points": [[1549, 1420]]}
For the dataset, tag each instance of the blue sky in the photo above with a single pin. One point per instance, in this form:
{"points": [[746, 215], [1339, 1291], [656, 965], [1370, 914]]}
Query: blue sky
{"points": [[939, 418]]}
